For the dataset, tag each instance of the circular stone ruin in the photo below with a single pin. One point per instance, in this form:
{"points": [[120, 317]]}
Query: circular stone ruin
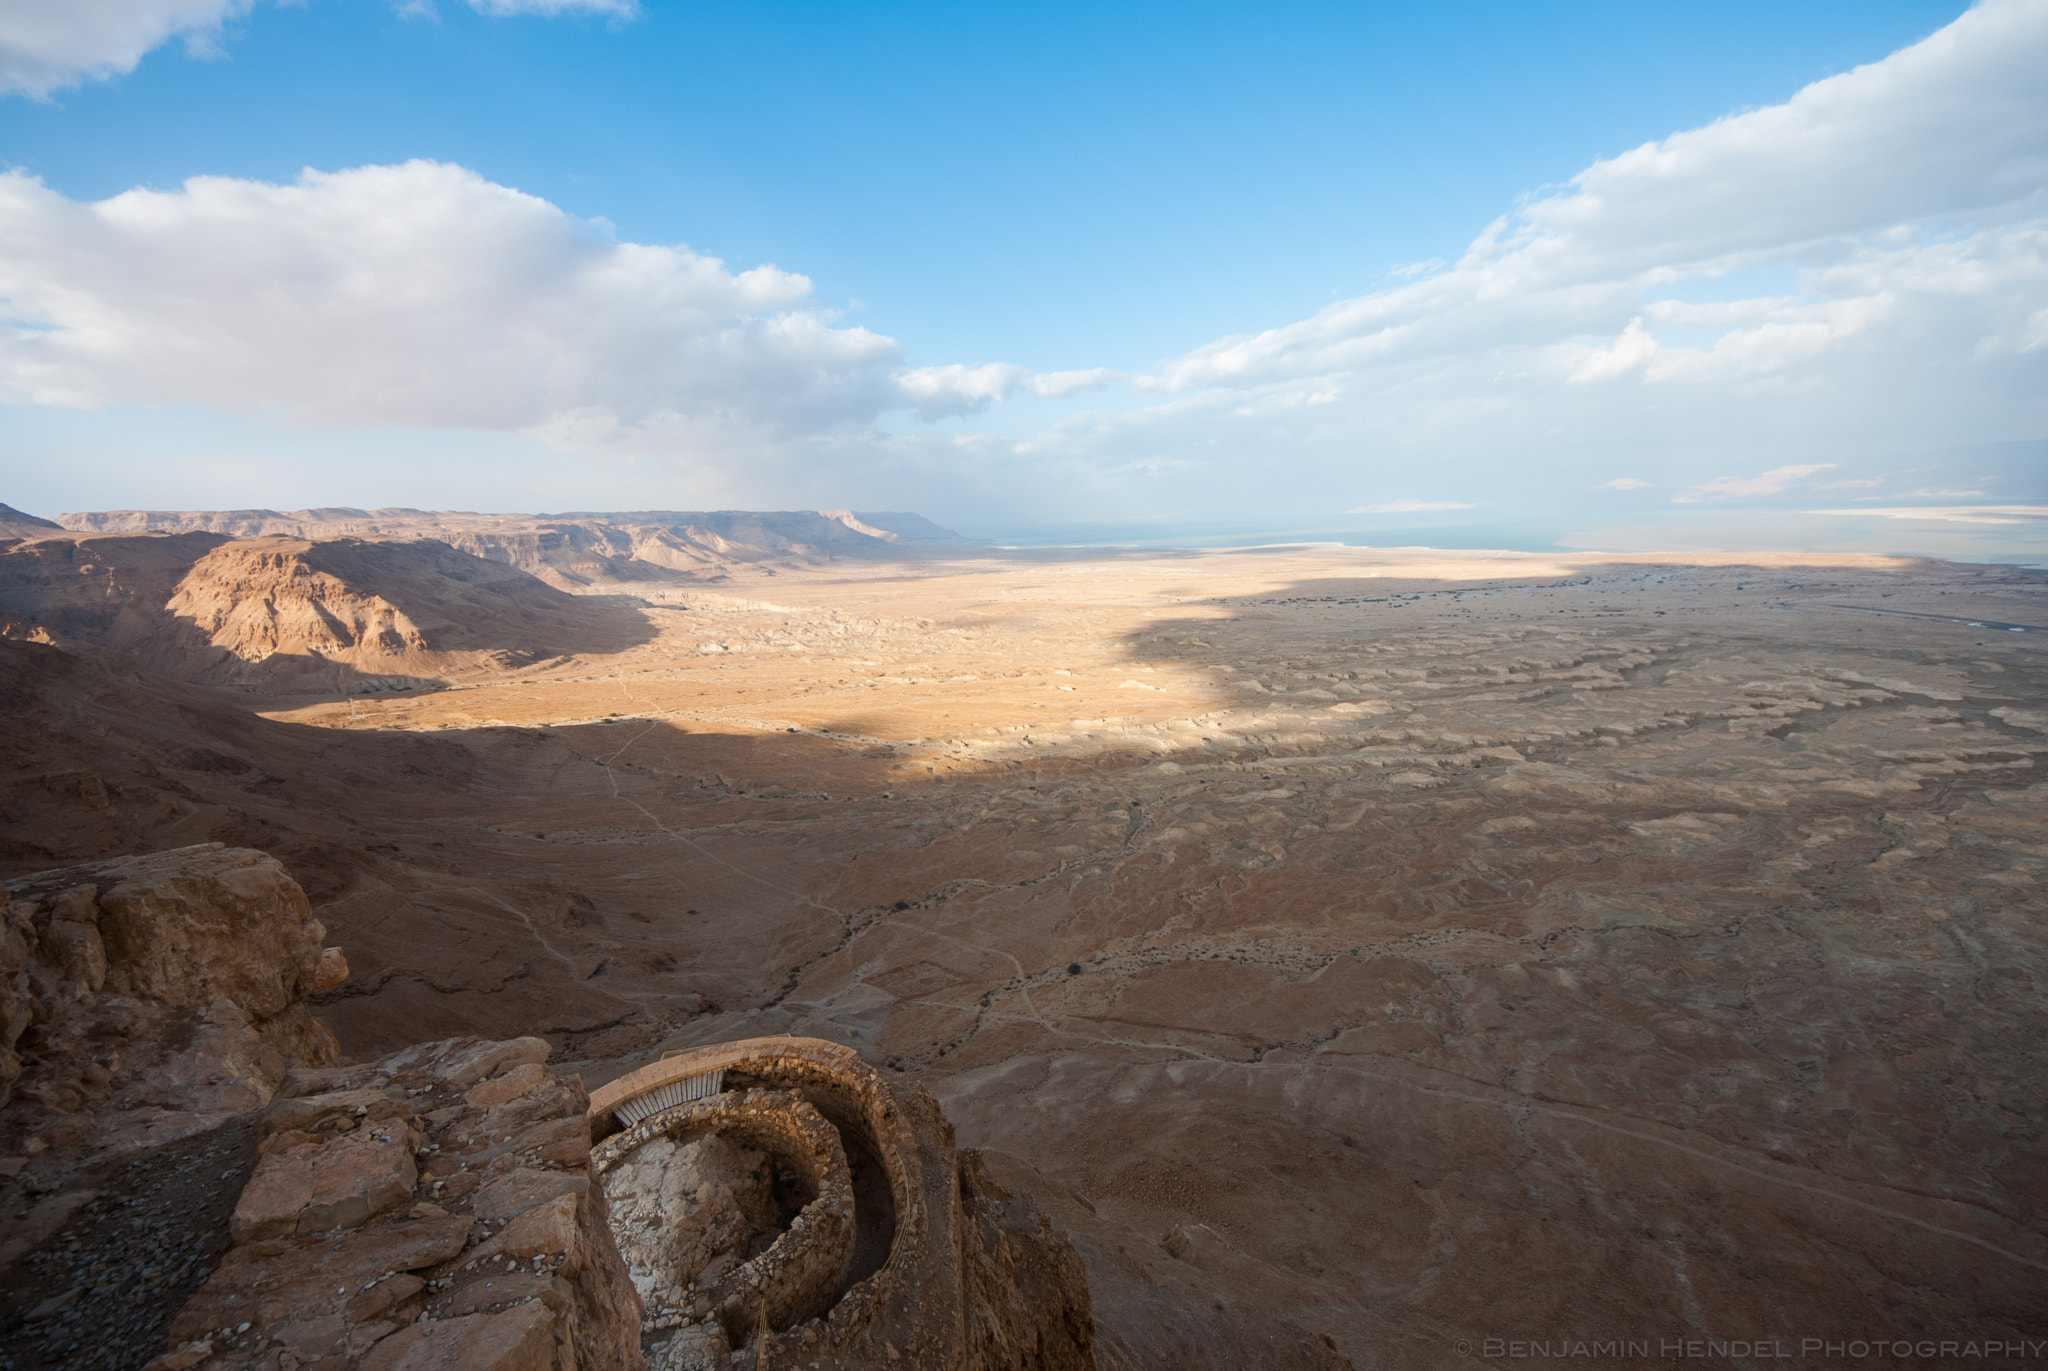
{"points": [[733, 1213], [759, 1187]]}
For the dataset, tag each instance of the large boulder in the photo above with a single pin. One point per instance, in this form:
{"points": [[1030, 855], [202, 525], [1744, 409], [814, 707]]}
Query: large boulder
{"points": [[145, 998], [199, 924]]}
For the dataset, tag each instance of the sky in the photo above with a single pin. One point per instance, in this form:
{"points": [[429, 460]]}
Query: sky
{"points": [[1579, 274]]}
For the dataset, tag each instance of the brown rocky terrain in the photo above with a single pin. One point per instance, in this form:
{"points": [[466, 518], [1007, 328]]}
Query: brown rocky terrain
{"points": [[147, 1004], [571, 551], [439, 1208], [284, 614], [1360, 952], [16, 524]]}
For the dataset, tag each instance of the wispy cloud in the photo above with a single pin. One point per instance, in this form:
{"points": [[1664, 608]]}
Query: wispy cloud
{"points": [[1410, 507], [1952, 514], [1625, 483], [1745, 487], [1906, 198], [955, 389]]}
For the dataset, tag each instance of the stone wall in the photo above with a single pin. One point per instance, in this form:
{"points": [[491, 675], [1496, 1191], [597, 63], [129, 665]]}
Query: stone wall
{"points": [[660, 1224]]}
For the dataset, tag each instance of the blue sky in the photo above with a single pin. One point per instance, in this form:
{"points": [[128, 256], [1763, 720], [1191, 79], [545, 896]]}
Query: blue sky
{"points": [[1019, 263], [1049, 185]]}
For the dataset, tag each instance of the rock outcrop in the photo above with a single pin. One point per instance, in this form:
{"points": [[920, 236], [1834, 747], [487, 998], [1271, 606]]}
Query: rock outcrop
{"points": [[430, 1210], [146, 998], [270, 1209], [287, 614], [444, 1207]]}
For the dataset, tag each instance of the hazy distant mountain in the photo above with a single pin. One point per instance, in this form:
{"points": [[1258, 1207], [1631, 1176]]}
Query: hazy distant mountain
{"points": [[14, 522], [575, 551]]}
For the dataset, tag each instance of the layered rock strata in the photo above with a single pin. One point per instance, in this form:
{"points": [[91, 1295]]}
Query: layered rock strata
{"points": [[943, 1269], [430, 1210]]}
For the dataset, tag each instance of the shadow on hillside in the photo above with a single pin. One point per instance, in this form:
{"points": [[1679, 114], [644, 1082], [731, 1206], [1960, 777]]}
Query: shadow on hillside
{"points": [[285, 615], [462, 603]]}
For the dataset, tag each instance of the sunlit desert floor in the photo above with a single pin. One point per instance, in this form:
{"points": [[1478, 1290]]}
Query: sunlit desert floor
{"points": [[1363, 954]]}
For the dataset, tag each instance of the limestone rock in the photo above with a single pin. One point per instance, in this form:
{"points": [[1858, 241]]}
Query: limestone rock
{"points": [[309, 1111], [228, 1066], [76, 948], [488, 1059], [274, 1281], [511, 1085], [340, 1184], [522, 1189], [692, 1200], [519, 1339], [195, 925], [149, 997], [332, 970], [365, 1241]]}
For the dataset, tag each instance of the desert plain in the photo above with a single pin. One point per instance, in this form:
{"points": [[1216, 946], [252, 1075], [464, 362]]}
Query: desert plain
{"points": [[1369, 956]]}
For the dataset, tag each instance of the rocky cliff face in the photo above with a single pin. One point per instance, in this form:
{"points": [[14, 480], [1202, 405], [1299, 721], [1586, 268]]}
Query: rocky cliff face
{"points": [[444, 1207], [147, 997], [147, 1004], [414, 609], [105, 592], [286, 614]]}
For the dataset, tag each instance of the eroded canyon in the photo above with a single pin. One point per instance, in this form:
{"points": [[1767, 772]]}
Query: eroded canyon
{"points": [[1361, 953]]}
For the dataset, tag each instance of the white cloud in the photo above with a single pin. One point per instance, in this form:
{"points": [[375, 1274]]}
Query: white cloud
{"points": [[50, 45], [1744, 487], [1634, 348], [47, 45], [1863, 268], [419, 294], [424, 295], [1908, 199], [1409, 507], [956, 389]]}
